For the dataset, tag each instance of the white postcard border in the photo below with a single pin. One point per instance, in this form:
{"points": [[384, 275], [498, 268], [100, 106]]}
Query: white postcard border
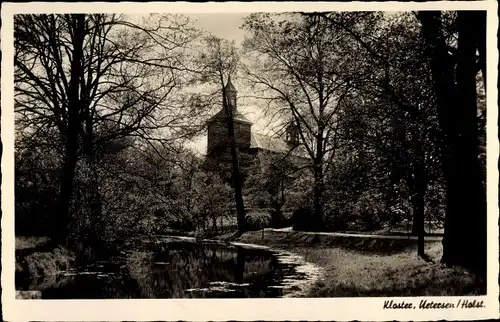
{"points": [[340, 309]]}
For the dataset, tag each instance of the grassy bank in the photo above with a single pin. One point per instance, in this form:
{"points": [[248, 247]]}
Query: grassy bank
{"points": [[34, 260], [30, 242], [372, 267], [293, 239]]}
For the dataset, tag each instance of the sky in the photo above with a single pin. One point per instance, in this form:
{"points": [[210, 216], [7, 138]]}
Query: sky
{"points": [[221, 25]]}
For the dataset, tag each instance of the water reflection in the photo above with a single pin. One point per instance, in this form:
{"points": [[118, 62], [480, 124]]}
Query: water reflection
{"points": [[174, 270]]}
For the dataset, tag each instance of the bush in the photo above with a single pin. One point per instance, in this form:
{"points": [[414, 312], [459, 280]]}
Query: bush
{"points": [[368, 211], [45, 263], [286, 219], [182, 225], [280, 219], [257, 220], [302, 219], [36, 190], [338, 221]]}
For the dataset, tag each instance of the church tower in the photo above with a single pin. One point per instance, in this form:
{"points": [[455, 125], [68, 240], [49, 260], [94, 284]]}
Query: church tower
{"points": [[231, 94], [218, 138], [292, 134]]}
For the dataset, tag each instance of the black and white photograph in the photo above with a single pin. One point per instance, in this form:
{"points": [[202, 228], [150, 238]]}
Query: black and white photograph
{"points": [[312, 154]]}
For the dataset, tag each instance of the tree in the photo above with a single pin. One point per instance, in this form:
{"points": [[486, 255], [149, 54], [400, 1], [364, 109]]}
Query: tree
{"points": [[447, 46], [211, 199], [94, 79], [217, 62], [406, 104], [454, 74], [296, 65], [270, 179], [398, 118]]}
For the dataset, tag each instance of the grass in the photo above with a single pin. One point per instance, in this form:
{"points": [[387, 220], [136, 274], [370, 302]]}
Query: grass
{"points": [[45, 263], [32, 262], [38, 263], [24, 242], [349, 273], [367, 267], [292, 239], [352, 266]]}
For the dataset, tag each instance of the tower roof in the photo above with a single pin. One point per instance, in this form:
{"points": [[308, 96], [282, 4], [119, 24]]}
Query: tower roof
{"points": [[274, 144], [237, 117], [229, 86]]}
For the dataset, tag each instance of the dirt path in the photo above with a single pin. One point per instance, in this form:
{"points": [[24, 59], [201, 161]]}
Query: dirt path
{"points": [[289, 229]]}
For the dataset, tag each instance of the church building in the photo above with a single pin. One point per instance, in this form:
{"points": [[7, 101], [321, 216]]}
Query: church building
{"points": [[249, 144]]}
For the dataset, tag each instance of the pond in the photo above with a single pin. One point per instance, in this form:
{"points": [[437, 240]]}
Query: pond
{"points": [[176, 268]]}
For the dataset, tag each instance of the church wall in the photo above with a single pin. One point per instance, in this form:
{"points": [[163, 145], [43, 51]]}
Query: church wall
{"points": [[217, 135]]}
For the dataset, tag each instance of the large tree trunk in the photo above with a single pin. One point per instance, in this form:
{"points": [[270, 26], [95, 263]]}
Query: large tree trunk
{"points": [[317, 222], [418, 228], [72, 133], [481, 43], [238, 189], [275, 213], [464, 242], [470, 192], [418, 183], [236, 176], [97, 229], [214, 223], [66, 188]]}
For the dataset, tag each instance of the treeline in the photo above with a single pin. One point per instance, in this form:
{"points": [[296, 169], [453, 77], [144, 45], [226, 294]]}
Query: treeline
{"points": [[389, 110], [142, 191], [398, 97]]}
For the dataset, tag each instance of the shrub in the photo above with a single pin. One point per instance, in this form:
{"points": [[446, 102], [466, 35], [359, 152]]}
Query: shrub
{"points": [[286, 219], [281, 218], [182, 225], [302, 219], [276, 217], [257, 220], [45, 263], [369, 210], [366, 212], [36, 190], [338, 221]]}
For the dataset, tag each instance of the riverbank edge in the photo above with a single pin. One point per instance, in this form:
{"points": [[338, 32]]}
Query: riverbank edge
{"points": [[286, 238], [313, 246], [42, 261], [350, 242], [355, 266], [344, 262], [300, 288], [39, 264]]}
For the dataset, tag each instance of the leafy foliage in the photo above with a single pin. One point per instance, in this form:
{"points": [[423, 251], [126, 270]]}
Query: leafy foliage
{"points": [[102, 118]]}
